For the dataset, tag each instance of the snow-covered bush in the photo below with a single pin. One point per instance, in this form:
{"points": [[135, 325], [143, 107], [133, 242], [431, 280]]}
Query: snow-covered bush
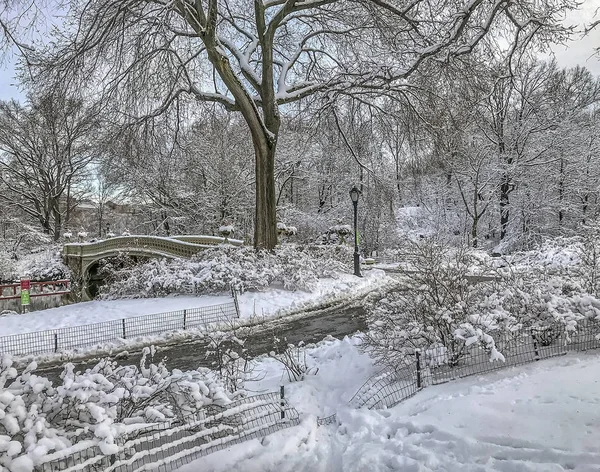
{"points": [[226, 230], [8, 313], [8, 267], [46, 265], [336, 234], [437, 311], [93, 408], [589, 257], [550, 305], [285, 230], [217, 269], [293, 358], [441, 313], [558, 255]]}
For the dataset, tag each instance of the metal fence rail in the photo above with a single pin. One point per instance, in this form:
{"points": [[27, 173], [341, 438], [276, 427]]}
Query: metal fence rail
{"points": [[167, 446], [391, 386], [57, 340]]}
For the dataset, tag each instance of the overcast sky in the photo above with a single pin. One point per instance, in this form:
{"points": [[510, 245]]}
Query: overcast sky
{"points": [[579, 51]]}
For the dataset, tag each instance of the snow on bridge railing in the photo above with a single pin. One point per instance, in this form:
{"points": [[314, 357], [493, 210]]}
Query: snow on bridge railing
{"points": [[74, 337], [181, 246]]}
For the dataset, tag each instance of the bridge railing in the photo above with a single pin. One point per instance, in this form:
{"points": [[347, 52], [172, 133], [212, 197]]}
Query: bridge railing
{"points": [[73, 337], [179, 246], [38, 289]]}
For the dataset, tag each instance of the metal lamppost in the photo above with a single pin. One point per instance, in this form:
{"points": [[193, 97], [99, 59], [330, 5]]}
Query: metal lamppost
{"points": [[354, 194]]}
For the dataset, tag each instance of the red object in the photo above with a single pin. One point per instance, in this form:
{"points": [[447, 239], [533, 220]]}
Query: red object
{"points": [[37, 289]]}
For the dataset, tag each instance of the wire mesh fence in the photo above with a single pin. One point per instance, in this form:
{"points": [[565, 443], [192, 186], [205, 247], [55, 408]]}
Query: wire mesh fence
{"points": [[57, 340], [167, 446], [390, 386]]}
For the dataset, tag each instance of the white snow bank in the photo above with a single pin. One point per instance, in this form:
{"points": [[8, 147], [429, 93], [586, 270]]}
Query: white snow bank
{"points": [[99, 311], [277, 301], [269, 303], [341, 369], [540, 417]]}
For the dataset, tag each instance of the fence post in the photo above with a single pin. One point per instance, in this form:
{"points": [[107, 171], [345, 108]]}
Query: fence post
{"points": [[123, 323], [535, 347], [282, 402], [418, 356], [55, 342], [184, 318]]}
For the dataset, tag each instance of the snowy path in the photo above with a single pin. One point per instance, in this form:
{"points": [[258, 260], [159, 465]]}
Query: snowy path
{"points": [[540, 417]]}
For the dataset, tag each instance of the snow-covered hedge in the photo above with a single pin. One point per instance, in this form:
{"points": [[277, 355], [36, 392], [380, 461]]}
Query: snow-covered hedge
{"points": [[216, 270], [41, 266], [39, 420], [440, 312], [8, 267], [46, 266]]}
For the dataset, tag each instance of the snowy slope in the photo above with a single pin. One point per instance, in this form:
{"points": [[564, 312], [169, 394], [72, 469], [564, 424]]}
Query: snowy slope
{"points": [[540, 417], [98, 311]]}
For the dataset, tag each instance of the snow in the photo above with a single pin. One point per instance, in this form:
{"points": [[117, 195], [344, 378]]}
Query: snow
{"points": [[273, 302], [98, 311], [226, 229], [539, 417]]}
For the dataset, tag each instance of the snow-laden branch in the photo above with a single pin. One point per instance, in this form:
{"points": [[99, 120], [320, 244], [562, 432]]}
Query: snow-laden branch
{"points": [[200, 95], [245, 67]]}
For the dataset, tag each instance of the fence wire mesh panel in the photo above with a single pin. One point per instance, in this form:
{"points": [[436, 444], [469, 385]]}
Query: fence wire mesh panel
{"points": [[166, 447], [57, 340], [390, 386], [586, 338], [331, 419]]}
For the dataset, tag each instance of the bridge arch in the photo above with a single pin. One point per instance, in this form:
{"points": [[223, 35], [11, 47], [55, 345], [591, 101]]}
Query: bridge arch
{"points": [[84, 257]]}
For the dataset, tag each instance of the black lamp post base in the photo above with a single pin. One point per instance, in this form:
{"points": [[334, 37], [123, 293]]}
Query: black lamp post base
{"points": [[357, 265]]}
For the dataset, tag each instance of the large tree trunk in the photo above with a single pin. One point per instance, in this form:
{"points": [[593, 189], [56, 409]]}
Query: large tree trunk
{"points": [[57, 224], [561, 192], [504, 205], [265, 220], [475, 217]]}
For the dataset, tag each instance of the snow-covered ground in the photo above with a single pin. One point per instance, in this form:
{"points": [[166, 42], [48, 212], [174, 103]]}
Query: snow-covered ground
{"points": [[540, 417], [98, 311], [268, 303]]}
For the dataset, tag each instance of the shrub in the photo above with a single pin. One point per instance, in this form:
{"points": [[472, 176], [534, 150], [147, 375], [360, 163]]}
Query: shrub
{"points": [[437, 311], [46, 266], [94, 407], [293, 358], [216, 270]]}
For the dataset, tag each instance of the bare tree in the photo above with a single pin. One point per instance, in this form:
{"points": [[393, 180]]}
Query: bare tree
{"points": [[255, 57], [46, 149]]}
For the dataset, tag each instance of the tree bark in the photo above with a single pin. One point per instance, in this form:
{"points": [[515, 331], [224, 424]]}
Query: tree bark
{"points": [[265, 222], [57, 222], [504, 205], [561, 192]]}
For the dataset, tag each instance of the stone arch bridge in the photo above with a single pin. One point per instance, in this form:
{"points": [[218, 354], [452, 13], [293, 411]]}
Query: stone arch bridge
{"points": [[84, 258]]}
